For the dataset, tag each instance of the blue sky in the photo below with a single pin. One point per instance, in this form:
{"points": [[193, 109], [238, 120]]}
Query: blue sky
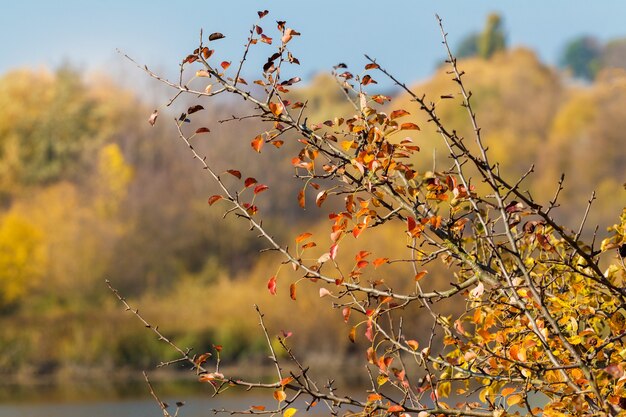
{"points": [[403, 35]]}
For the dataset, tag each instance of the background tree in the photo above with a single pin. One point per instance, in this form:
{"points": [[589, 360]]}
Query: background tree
{"points": [[492, 39], [539, 314], [582, 57]]}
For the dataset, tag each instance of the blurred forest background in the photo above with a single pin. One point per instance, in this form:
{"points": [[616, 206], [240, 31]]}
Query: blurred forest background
{"points": [[90, 191]]}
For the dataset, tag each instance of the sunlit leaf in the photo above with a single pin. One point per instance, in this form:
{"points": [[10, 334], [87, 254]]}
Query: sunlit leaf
{"points": [[398, 113], [324, 292], [280, 395], [290, 412], [413, 344], [292, 291], [303, 236], [409, 126], [225, 65], [257, 143]]}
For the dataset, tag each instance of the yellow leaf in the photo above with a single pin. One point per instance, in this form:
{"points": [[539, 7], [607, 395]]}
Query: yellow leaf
{"points": [[381, 380], [290, 412]]}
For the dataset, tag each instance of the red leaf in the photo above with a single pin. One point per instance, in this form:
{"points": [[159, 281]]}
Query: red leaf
{"points": [[234, 173], [214, 198], [260, 188], [395, 409], [257, 143], [409, 126], [362, 264], [266, 39], [225, 65], [203, 130], [292, 291], [371, 66], [249, 182], [271, 285], [362, 255], [346, 313]]}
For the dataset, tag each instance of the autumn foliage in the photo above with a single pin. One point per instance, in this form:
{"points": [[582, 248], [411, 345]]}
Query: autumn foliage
{"points": [[530, 317]]}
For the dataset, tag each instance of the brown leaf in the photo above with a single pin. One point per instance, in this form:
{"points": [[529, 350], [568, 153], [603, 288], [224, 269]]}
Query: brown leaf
{"points": [[249, 181], [371, 66], [262, 14], [368, 80], [153, 117], [203, 130], [215, 36], [352, 334], [292, 291], [301, 200], [194, 109]]}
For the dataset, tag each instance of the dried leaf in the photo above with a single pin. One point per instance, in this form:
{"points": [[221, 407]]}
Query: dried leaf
{"points": [[420, 275], [352, 334], [249, 182], [371, 66], [262, 14], [301, 200], [345, 312], [194, 109], [215, 36], [203, 130], [413, 344], [153, 117], [276, 108], [324, 292], [260, 188]]}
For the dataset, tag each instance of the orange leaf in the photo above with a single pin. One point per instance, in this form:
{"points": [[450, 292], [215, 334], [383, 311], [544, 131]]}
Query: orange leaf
{"points": [[258, 407], [280, 395], [303, 236], [398, 113], [379, 261], [413, 344], [321, 197], [285, 381], [374, 397], [420, 275], [508, 391], [352, 334], [346, 313], [257, 143], [276, 108], [225, 65], [301, 201], [395, 409], [409, 126], [371, 66]]}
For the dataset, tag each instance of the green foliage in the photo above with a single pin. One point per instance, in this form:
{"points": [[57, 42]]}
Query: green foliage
{"points": [[582, 57], [492, 39]]}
